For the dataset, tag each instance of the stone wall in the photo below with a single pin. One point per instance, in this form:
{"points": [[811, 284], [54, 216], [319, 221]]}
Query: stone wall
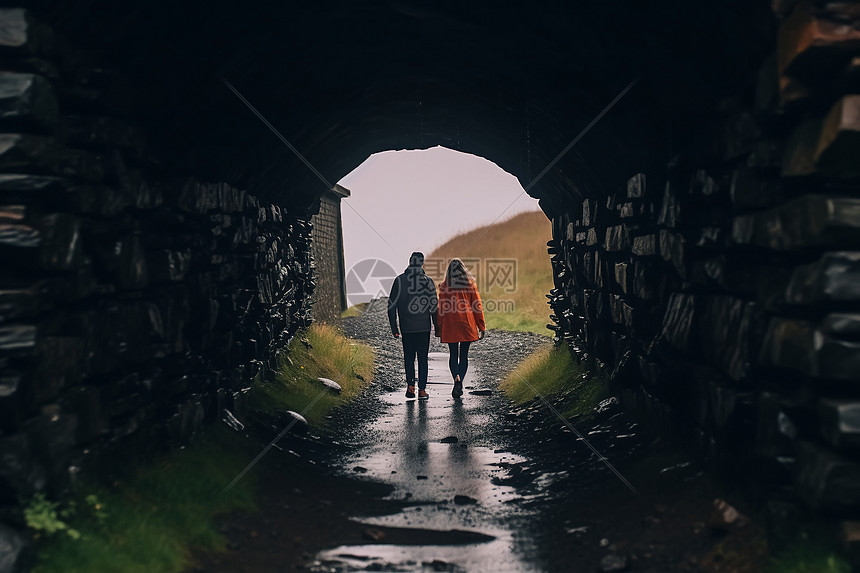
{"points": [[722, 291], [329, 298], [136, 300], [142, 288]]}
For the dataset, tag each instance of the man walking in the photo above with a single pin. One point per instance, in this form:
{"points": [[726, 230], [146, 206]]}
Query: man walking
{"points": [[413, 300]]}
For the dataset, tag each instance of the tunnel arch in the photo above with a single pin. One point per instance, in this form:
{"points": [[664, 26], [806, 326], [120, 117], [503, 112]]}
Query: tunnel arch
{"points": [[343, 81], [704, 246]]}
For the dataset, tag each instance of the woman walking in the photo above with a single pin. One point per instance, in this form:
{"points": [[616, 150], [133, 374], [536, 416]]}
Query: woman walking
{"points": [[460, 319]]}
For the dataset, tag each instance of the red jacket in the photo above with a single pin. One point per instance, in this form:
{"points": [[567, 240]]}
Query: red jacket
{"points": [[460, 316]]}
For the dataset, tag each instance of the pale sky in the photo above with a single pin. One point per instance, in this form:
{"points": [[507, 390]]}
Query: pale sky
{"points": [[418, 199]]}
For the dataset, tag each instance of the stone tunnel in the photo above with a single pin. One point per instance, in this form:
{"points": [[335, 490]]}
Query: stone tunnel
{"points": [[155, 230]]}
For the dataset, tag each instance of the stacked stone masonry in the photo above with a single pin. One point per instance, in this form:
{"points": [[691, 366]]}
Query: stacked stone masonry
{"points": [[136, 302], [327, 250], [722, 292], [719, 287]]}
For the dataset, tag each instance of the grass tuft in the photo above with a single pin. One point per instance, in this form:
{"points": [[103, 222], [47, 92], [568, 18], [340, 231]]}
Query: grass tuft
{"points": [[354, 310], [162, 510], [813, 553], [809, 564], [552, 372], [323, 352], [154, 518]]}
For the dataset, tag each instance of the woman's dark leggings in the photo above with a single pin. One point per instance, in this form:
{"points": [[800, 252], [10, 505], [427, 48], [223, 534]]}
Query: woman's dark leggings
{"points": [[458, 358]]}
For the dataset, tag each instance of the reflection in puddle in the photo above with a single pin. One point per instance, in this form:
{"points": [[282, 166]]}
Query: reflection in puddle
{"points": [[492, 556], [454, 485]]}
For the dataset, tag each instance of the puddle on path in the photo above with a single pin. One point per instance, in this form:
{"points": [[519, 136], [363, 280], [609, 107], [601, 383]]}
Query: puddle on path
{"points": [[450, 484]]}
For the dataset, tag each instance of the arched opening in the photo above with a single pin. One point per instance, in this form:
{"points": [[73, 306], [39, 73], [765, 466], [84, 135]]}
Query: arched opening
{"points": [[421, 198], [704, 232], [446, 204]]}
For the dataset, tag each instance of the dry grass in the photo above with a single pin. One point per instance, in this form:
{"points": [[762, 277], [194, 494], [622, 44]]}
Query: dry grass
{"points": [[551, 371], [329, 354], [354, 310], [523, 237]]}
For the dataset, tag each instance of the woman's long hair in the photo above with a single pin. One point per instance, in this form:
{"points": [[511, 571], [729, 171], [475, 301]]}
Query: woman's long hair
{"points": [[458, 276]]}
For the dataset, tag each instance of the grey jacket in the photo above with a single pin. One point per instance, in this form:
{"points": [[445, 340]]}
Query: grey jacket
{"points": [[413, 300]]}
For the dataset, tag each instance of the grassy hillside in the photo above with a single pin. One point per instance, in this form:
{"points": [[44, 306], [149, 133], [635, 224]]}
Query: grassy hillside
{"points": [[517, 305]]}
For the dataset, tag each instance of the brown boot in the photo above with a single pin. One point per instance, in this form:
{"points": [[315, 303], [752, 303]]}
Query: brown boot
{"points": [[458, 388]]}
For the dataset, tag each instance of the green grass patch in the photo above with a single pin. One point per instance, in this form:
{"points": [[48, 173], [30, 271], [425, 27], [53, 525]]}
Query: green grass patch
{"points": [[813, 553], [516, 322], [155, 516], [354, 310], [800, 563], [552, 371], [322, 352], [151, 520]]}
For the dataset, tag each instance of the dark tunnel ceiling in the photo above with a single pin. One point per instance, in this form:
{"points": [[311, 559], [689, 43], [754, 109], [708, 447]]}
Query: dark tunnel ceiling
{"points": [[512, 82]]}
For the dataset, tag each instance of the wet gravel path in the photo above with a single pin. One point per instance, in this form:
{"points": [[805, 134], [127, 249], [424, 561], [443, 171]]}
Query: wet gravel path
{"points": [[564, 508], [476, 485], [449, 458]]}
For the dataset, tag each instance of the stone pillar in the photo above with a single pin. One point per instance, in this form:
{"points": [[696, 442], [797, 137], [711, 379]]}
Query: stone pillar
{"points": [[327, 249]]}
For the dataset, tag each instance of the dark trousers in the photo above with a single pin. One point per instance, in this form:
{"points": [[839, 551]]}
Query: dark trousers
{"points": [[458, 359], [416, 345]]}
